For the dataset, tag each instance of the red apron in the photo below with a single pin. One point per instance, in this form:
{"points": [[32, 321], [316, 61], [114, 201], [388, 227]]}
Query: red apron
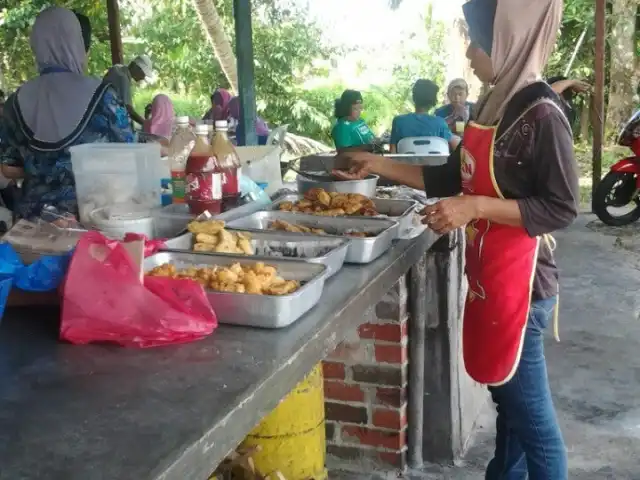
{"points": [[500, 267]]}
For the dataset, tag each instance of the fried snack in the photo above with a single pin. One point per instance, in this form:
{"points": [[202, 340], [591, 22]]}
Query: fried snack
{"points": [[257, 279], [320, 202], [207, 238], [332, 212], [203, 247], [283, 226], [211, 236], [208, 226]]}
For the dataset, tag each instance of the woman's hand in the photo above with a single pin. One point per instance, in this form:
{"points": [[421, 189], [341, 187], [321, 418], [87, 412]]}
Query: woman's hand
{"points": [[451, 213], [360, 164]]}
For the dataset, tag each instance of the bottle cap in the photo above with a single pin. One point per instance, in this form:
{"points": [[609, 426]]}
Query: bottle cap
{"points": [[182, 120], [222, 125], [202, 129]]}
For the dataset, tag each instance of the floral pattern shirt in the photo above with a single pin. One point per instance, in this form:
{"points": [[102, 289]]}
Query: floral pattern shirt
{"points": [[48, 177]]}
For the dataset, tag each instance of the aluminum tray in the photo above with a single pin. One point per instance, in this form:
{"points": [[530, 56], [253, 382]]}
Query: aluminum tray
{"points": [[255, 310], [328, 251], [399, 210], [361, 250]]}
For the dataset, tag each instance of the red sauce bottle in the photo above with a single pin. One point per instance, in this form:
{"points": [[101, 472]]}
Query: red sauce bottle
{"points": [[229, 163], [203, 190]]}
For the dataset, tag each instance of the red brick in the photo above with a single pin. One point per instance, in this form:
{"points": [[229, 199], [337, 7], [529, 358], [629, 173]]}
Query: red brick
{"points": [[394, 419], [343, 391], [372, 437], [333, 370], [392, 397], [341, 412], [386, 332], [391, 353], [405, 329]]}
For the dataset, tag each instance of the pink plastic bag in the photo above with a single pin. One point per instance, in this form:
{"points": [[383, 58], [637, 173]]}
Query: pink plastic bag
{"points": [[104, 301], [151, 246]]}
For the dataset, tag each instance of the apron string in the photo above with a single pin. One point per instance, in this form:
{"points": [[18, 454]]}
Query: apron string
{"points": [[551, 243]]}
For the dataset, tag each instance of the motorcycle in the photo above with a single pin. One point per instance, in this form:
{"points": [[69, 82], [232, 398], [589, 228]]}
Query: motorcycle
{"points": [[619, 190]]}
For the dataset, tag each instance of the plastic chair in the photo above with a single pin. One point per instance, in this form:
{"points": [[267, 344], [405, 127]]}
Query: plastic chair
{"points": [[423, 146], [277, 136]]}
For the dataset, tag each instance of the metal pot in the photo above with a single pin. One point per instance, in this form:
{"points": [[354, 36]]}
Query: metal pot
{"points": [[366, 187]]}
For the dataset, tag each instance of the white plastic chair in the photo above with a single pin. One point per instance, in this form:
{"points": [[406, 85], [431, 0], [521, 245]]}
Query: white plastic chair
{"points": [[277, 136], [423, 146]]}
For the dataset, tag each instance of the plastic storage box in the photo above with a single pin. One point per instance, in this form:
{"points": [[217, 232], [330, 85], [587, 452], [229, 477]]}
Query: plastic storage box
{"points": [[117, 174]]}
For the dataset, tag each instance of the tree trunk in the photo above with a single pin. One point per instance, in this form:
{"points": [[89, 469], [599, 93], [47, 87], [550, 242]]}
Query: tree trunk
{"points": [[623, 73], [214, 30], [585, 116]]}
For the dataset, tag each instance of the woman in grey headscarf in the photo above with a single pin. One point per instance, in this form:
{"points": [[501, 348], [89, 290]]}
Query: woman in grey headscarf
{"points": [[56, 110]]}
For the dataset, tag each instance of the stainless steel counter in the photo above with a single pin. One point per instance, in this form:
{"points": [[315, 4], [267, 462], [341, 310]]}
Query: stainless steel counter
{"points": [[102, 412]]}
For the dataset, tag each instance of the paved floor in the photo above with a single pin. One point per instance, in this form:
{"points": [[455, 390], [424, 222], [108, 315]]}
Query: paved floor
{"points": [[595, 369]]}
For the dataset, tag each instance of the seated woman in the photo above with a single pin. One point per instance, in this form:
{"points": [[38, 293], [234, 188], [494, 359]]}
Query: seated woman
{"points": [[262, 130], [351, 132], [420, 123], [219, 105], [458, 110], [60, 108], [159, 126]]}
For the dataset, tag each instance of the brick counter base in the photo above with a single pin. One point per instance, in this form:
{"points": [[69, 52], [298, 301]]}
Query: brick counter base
{"points": [[365, 387]]}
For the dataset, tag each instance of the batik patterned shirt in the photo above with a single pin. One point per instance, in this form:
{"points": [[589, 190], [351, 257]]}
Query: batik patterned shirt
{"points": [[48, 177]]}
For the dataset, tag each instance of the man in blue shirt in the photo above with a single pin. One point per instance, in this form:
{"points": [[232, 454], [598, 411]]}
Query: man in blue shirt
{"points": [[420, 123]]}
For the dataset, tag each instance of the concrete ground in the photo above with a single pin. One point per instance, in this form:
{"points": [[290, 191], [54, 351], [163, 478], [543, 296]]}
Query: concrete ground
{"points": [[595, 369]]}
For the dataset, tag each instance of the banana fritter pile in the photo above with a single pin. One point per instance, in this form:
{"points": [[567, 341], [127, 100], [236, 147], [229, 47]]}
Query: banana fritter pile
{"points": [[211, 236], [318, 201], [257, 279]]}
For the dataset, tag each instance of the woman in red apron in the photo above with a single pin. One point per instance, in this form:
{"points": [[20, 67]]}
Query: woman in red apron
{"points": [[518, 178]]}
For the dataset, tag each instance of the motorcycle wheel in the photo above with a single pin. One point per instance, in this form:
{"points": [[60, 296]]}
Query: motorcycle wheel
{"points": [[616, 190]]}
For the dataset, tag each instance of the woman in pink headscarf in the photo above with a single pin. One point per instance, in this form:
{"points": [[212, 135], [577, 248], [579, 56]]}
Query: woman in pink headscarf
{"points": [[162, 117], [219, 105], [262, 129]]}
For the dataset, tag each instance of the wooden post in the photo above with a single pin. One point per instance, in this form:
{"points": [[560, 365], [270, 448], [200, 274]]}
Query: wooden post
{"points": [[598, 99], [113, 18], [246, 80]]}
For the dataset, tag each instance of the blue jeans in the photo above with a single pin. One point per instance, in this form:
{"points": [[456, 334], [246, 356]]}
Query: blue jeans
{"points": [[528, 439]]}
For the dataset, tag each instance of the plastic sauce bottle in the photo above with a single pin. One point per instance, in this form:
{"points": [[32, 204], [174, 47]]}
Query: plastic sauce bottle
{"points": [[203, 176], [229, 163], [180, 146]]}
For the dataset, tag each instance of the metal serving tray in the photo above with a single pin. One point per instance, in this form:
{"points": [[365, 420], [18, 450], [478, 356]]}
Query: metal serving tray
{"points": [[328, 251], [361, 250], [399, 210], [266, 311]]}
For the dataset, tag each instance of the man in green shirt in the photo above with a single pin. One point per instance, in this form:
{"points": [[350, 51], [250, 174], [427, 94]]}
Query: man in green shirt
{"points": [[350, 132]]}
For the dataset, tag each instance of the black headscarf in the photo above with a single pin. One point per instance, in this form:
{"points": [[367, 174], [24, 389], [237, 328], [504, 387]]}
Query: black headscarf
{"points": [[85, 26]]}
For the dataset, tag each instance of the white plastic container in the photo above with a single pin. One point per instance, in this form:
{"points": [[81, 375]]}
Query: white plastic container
{"points": [[117, 224], [116, 174]]}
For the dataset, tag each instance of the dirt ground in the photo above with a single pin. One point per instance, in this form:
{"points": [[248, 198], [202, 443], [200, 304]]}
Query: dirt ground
{"points": [[595, 369]]}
